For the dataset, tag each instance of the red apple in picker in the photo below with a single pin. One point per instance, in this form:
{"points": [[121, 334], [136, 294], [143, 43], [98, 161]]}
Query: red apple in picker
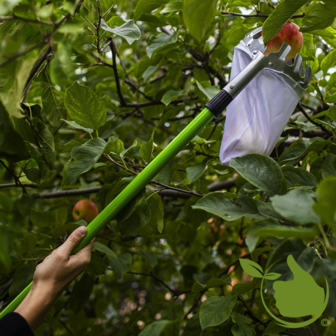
{"points": [[291, 34], [85, 209]]}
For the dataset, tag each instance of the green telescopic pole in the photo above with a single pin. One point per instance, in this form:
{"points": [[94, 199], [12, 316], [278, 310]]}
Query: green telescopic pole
{"points": [[132, 189], [214, 109]]}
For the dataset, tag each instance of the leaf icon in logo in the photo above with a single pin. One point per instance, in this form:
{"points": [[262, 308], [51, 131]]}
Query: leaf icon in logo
{"points": [[272, 276], [252, 268]]}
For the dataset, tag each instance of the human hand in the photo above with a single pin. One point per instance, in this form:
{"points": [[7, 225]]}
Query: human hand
{"points": [[53, 275]]}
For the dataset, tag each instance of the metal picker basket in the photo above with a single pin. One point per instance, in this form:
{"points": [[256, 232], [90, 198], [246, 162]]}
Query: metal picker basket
{"points": [[257, 116]]}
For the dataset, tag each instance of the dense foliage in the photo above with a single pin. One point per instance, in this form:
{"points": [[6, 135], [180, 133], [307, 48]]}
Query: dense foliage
{"points": [[91, 91]]}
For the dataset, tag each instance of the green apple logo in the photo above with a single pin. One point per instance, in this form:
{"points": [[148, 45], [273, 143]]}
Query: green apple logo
{"points": [[296, 298]]}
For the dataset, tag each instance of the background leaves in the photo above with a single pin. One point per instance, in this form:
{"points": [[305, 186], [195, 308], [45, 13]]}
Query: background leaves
{"points": [[91, 93]]}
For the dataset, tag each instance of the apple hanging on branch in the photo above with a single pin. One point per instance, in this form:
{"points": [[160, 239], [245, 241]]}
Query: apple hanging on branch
{"points": [[87, 210], [289, 33]]}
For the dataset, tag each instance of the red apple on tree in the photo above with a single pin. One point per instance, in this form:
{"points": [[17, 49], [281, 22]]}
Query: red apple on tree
{"points": [[85, 209], [291, 34]]}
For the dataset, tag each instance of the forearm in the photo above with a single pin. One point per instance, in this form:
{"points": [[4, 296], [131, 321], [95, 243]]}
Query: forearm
{"points": [[36, 306]]}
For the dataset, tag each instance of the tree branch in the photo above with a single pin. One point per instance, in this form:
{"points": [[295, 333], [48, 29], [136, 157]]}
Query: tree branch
{"points": [[299, 106], [16, 179], [14, 185], [15, 17], [258, 15]]}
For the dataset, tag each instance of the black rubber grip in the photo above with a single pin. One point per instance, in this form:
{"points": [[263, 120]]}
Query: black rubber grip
{"points": [[219, 103]]}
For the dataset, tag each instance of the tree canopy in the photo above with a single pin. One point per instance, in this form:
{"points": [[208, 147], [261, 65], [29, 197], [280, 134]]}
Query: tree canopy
{"points": [[90, 92]]}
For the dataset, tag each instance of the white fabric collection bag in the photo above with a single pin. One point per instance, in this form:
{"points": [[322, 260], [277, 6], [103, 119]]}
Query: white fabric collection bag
{"points": [[257, 116]]}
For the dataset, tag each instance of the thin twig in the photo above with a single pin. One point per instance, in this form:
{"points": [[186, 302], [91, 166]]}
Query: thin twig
{"points": [[16, 179], [258, 15]]}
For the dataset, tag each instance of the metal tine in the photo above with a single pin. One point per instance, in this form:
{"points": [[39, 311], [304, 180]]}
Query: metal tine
{"points": [[297, 64], [307, 75], [284, 51]]}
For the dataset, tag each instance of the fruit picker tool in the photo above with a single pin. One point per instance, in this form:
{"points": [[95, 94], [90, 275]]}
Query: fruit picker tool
{"points": [[214, 108]]}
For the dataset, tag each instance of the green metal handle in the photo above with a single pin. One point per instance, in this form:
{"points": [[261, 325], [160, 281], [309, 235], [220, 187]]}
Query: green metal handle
{"points": [[132, 189]]}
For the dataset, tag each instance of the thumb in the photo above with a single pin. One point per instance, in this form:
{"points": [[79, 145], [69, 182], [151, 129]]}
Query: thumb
{"points": [[72, 241], [297, 271]]}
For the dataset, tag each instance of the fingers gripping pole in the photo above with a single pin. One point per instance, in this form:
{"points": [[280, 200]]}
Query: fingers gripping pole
{"points": [[132, 190]]}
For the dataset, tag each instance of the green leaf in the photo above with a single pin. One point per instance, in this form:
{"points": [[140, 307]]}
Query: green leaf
{"points": [[46, 138], [13, 77], [242, 288], [300, 148], [84, 106], [82, 160], [157, 210], [6, 202], [318, 16], [103, 248], [172, 6], [146, 6], [34, 175], [242, 330], [219, 205], [195, 172], [129, 31], [262, 172], [298, 176], [279, 16], [150, 257], [209, 92], [159, 41], [273, 328], [121, 264], [296, 207], [329, 166], [171, 95], [146, 149], [216, 310], [114, 145], [198, 16], [326, 201], [22, 277], [7, 5], [271, 228], [52, 107], [329, 61], [12, 146], [272, 276], [251, 268], [155, 328], [239, 318], [81, 293], [77, 126], [193, 327]]}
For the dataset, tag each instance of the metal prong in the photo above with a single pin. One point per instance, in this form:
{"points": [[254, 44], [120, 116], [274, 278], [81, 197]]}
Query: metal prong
{"points": [[284, 51], [257, 33], [307, 76], [297, 64]]}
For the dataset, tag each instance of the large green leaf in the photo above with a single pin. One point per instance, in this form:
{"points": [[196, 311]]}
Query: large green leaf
{"points": [[296, 206], [83, 159], [329, 166], [159, 41], [329, 61], [262, 172], [52, 106], [301, 148], [318, 16], [326, 200], [155, 328], [129, 31], [298, 176], [81, 293], [12, 146], [216, 310], [193, 327], [280, 15], [146, 6], [219, 205], [195, 172], [198, 16], [263, 229], [13, 78], [84, 106]]}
